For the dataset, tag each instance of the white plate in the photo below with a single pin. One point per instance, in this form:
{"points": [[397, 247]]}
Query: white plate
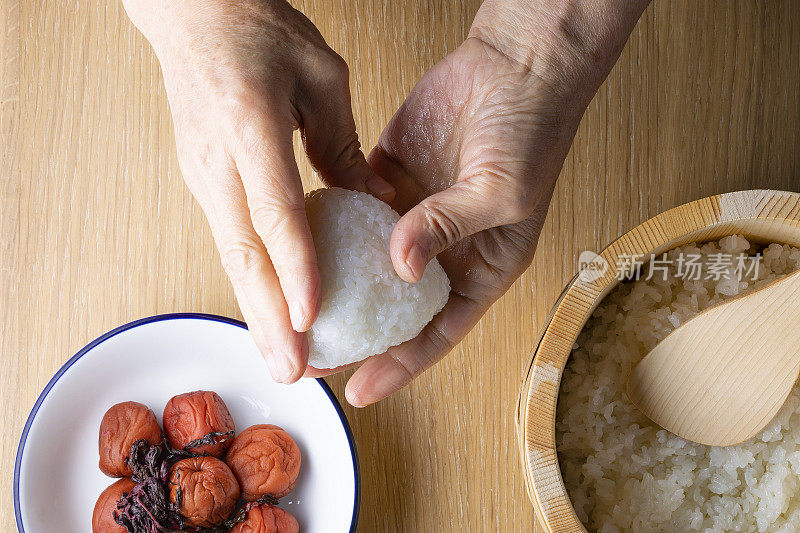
{"points": [[56, 478]]}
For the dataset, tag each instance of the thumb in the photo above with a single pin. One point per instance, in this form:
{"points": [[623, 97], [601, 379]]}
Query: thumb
{"points": [[441, 220]]}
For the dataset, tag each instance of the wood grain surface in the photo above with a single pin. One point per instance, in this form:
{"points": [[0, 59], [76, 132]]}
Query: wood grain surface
{"points": [[97, 228], [761, 215]]}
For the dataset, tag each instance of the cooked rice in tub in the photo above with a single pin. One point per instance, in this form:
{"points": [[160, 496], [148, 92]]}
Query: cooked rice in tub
{"points": [[624, 473]]}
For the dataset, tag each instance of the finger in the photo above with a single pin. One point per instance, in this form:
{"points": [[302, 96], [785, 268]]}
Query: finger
{"points": [[389, 372], [275, 198], [329, 133], [255, 281], [441, 220]]}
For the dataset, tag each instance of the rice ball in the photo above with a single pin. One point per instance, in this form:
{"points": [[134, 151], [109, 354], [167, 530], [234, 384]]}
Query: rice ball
{"points": [[365, 306]]}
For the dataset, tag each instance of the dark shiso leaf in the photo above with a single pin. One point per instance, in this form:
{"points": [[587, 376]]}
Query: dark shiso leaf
{"points": [[241, 514], [147, 509], [210, 438]]}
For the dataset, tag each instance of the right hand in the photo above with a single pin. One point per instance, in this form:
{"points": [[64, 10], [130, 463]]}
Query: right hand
{"points": [[241, 76]]}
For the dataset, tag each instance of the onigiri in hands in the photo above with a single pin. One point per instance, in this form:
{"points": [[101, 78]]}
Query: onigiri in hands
{"points": [[365, 307]]}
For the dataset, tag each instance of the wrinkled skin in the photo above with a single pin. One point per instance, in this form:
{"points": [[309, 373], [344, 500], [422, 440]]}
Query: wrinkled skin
{"points": [[267, 519], [205, 489], [122, 425], [193, 415], [470, 159], [265, 460], [241, 76], [474, 153], [103, 515]]}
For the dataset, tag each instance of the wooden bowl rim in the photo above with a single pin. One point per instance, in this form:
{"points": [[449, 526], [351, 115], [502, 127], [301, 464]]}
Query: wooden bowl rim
{"points": [[694, 221]]}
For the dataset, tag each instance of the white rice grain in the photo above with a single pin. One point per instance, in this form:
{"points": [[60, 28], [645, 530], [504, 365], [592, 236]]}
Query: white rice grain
{"points": [[366, 307], [622, 472]]}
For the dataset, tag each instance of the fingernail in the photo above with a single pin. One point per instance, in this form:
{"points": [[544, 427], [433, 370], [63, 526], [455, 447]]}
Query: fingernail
{"points": [[379, 187], [281, 368], [415, 261], [286, 369], [297, 315]]}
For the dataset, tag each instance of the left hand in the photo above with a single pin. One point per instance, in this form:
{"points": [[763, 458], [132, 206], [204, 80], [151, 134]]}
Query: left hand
{"points": [[474, 153]]}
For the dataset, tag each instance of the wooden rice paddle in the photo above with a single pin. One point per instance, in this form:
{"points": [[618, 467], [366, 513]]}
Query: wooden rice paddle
{"points": [[724, 375]]}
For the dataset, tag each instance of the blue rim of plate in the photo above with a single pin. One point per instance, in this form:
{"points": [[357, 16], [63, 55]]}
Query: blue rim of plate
{"points": [[159, 318]]}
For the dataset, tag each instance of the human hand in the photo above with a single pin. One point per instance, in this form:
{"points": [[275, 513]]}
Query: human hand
{"points": [[241, 76], [474, 153]]}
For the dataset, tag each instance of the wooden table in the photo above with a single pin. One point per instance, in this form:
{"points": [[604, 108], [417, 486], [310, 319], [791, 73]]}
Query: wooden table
{"points": [[97, 228]]}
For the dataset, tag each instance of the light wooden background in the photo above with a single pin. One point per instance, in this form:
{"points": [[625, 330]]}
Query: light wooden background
{"points": [[97, 229]]}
